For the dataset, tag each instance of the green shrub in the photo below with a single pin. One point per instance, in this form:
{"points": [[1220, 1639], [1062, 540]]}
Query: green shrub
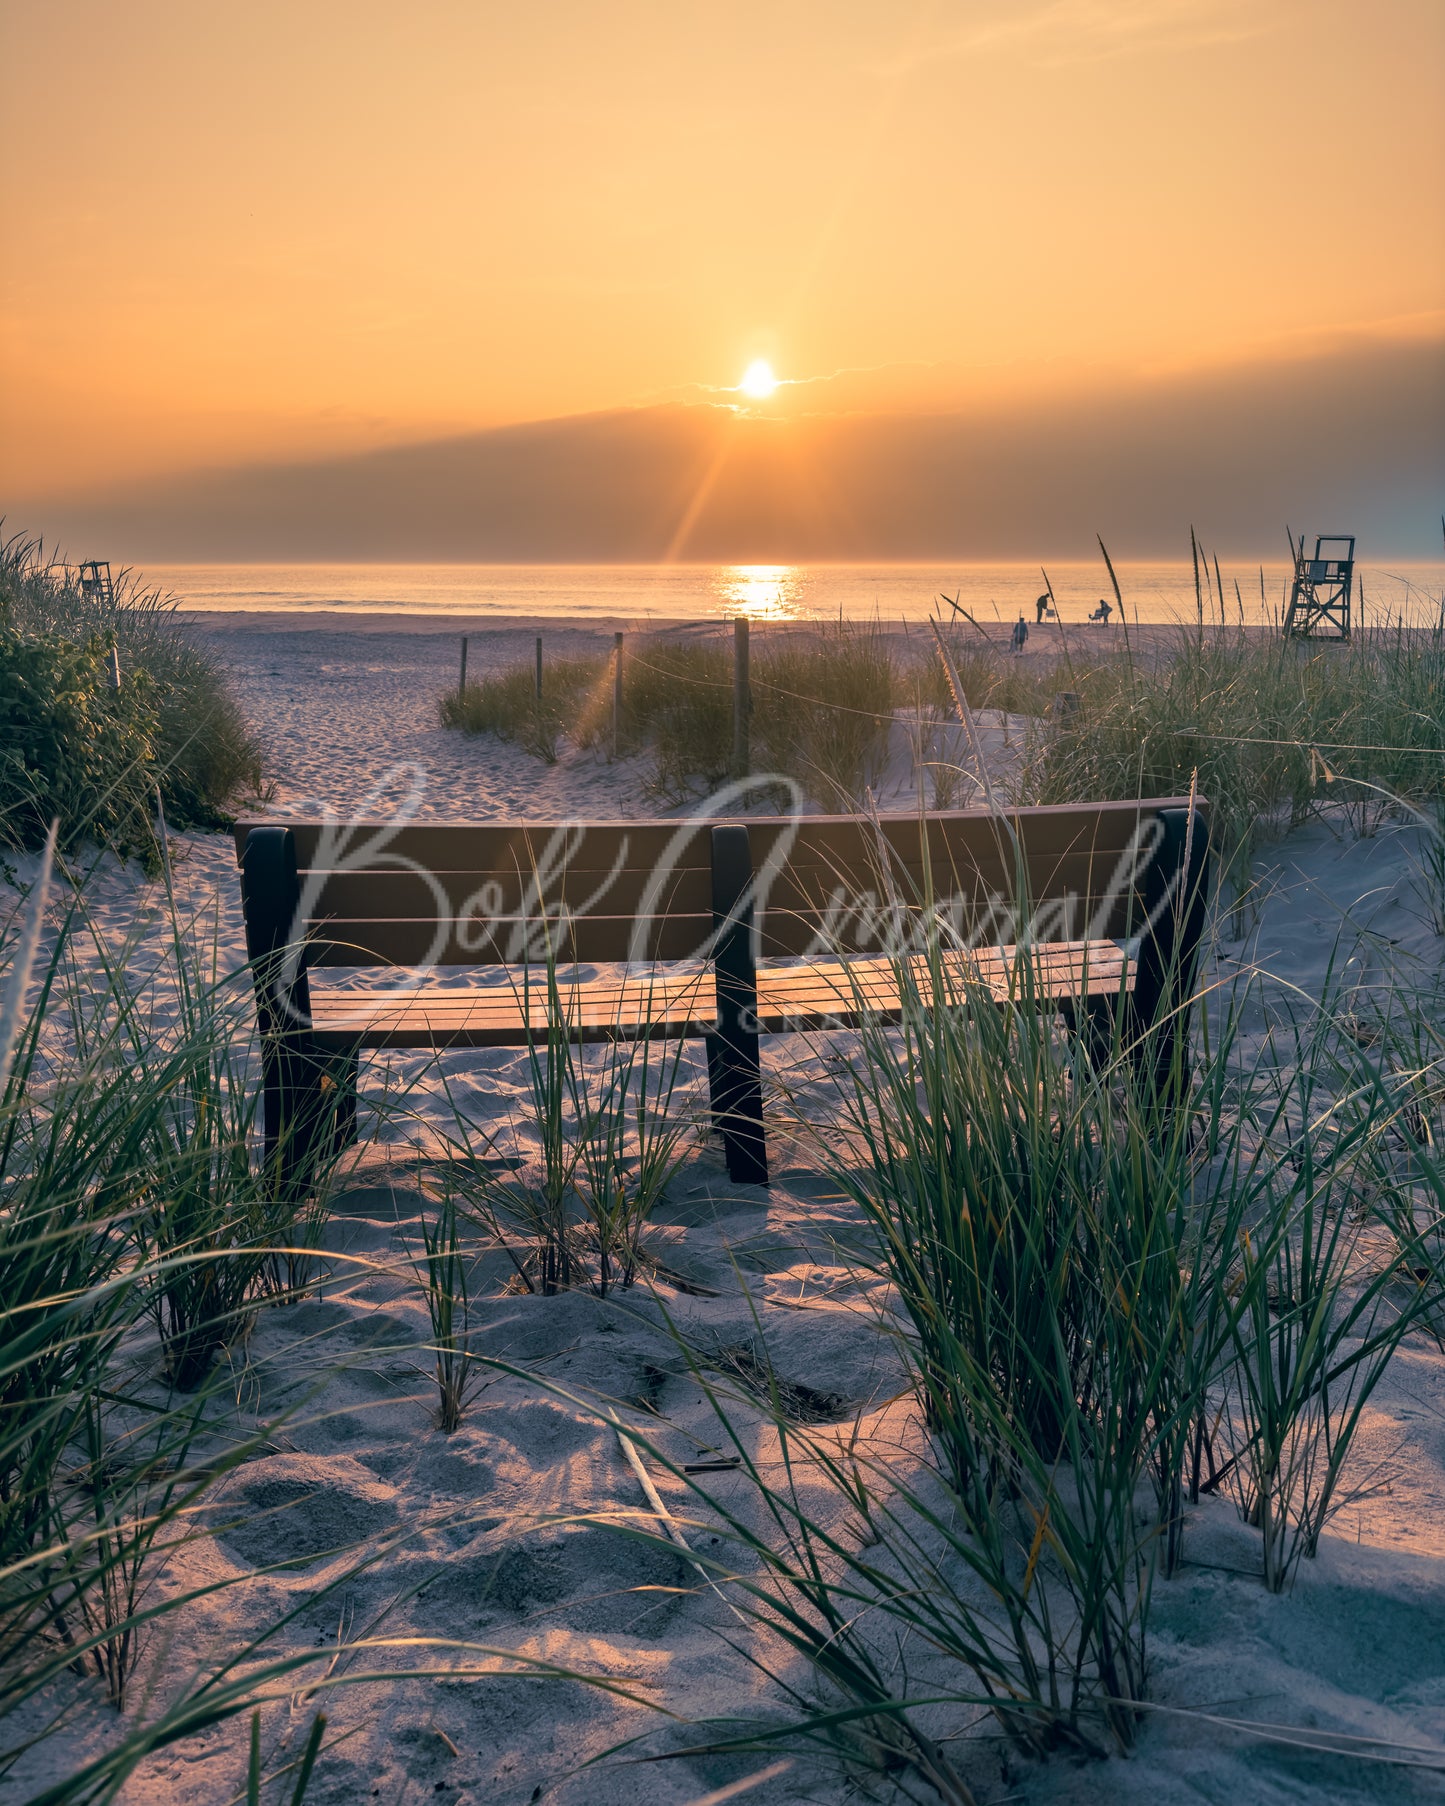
{"points": [[69, 748], [72, 748]]}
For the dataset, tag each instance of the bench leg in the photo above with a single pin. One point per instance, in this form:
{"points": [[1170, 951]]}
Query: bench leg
{"points": [[309, 1111], [344, 1076], [715, 1081], [1092, 1024], [1169, 957], [732, 1052], [736, 1084], [274, 1104]]}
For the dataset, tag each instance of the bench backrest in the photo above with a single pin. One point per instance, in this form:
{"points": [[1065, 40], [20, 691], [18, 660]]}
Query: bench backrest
{"points": [[462, 894]]}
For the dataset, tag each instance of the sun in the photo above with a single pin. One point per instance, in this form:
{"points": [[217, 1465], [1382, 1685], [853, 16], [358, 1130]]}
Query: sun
{"points": [[759, 381]]}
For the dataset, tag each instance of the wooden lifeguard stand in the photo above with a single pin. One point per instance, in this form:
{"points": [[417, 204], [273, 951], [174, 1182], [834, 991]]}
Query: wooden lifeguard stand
{"points": [[1319, 602], [95, 581]]}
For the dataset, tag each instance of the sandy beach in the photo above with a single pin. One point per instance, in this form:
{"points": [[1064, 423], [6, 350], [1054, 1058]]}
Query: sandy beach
{"points": [[496, 1537], [868, 583], [343, 699], [344, 702]]}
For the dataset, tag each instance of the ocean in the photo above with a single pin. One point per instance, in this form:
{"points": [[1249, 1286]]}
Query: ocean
{"points": [[637, 594]]}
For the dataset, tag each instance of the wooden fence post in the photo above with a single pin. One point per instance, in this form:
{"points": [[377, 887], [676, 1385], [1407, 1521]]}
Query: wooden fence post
{"points": [[616, 693], [462, 678], [742, 701], [539, 667]]}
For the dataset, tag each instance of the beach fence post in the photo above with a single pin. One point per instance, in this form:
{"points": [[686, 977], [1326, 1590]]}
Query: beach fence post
{"points": [[115, 669], [742, 700], [616, 693], [462, 675], [539, 667]]}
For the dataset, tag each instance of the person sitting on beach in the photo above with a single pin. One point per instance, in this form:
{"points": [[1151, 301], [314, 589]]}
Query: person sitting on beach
{"points": [[1102, 612], [1044, 605], [1020, 633]]}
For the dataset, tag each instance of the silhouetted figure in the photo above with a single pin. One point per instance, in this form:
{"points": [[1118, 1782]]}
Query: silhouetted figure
{"points": [[1043, 606], [1102, 612], [1020, 634]]}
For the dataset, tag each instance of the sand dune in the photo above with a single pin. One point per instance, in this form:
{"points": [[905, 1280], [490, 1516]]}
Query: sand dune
{"points": [[505, 1534]]}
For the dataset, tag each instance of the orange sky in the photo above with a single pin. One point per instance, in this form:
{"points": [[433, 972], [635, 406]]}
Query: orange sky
{"points": [[266, 229]]}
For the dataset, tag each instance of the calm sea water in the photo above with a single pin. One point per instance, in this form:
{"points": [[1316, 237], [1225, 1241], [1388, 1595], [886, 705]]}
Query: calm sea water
{"points": [[637, 593]]}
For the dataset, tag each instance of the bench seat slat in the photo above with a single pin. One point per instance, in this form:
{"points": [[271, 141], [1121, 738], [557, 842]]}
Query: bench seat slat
{"points": [[844, 991], [789, 997]]}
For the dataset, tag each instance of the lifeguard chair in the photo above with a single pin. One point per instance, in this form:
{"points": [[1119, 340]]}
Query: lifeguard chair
{"points": [[1319, 602], [95, 581]]}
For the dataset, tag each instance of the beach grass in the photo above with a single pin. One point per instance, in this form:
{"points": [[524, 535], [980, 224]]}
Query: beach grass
{"points": [[609, 1133], [1273, 729], [140, 1232], [1107, 1303], [97, 1482], [507, 704], [821, 707], [1109, 1298], [74, 748], [1270, 729]]}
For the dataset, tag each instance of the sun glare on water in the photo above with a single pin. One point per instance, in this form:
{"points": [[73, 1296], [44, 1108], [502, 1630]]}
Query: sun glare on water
{"points": [[762, 592], [758, 380]]}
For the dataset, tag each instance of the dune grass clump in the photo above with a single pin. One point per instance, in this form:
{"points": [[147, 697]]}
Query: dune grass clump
{"points": [[823, 706], [678, 704], [1111, 1296], [609, 1139], [822, 703], [1271, 727], [444, 1273], [135, 1219], [105, 1129], [129, 1182], [993, 680], [73, 748], [507, 705]]}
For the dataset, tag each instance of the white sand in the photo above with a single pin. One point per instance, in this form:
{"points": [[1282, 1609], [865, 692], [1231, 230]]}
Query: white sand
{"points": [[1358, 1646]]}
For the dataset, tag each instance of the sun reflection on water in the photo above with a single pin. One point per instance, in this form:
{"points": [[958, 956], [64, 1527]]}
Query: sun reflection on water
{"points": [[761, 592]]}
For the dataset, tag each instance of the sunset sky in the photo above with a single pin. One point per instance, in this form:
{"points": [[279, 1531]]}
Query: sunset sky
{"points": [[272, 231]]}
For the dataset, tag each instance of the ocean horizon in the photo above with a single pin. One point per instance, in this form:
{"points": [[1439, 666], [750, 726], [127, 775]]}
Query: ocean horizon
{"points": [[1153, 591]]}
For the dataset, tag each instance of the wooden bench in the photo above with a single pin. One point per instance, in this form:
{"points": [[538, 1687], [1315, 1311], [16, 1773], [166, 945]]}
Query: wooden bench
{"points": [[688, 913]]}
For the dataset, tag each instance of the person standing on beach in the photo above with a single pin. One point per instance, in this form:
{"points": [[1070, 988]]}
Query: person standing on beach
{"points": [[1102, 612], [1020, 634], [1044, 605]]}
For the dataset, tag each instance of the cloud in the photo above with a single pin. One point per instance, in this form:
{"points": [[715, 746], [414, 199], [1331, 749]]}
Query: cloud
{"points": [[1076, 31], [1348, 441]]}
